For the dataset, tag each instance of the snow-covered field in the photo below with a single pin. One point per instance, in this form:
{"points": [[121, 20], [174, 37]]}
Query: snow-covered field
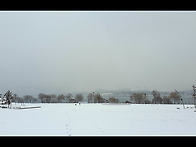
{"points": [[65, 119]]}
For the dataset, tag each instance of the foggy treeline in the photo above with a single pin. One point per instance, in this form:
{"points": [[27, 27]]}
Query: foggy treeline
{"points": [[135, 98], [141, 98], [68, 98]]}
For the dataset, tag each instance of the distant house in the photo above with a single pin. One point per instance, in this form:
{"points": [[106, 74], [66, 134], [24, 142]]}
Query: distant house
{"points": [[127, 102], [72, 101]]}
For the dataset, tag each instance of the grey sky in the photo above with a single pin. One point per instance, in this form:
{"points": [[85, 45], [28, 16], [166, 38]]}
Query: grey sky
{"points": [[70, 51]]}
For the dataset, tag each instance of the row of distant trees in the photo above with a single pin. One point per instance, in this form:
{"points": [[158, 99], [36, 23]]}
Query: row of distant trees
{"points": [[97, 98], [141, 98], [136, 98], [49, 98], [69, 98]]}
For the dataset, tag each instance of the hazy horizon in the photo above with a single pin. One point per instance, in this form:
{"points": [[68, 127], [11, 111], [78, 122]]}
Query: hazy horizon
{"points": [[70, 51]]}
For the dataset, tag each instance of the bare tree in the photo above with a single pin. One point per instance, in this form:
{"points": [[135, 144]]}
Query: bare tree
{"points": [[166, 100], [138, 98], [42, 98], [90, 98], [34, 100], [79, 97], [28, 98], [45, 98], [113, 100], [98, 98], [157, 98], [17, 99], [69, 97], [175, 96], [52, 98], [60, 98]]}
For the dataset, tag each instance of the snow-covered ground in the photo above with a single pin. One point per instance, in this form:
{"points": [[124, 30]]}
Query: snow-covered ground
{"points": [[65, 119]]}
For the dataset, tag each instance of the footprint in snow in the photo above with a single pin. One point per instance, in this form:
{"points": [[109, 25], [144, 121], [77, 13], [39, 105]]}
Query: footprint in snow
{"points": [[68, 130]]}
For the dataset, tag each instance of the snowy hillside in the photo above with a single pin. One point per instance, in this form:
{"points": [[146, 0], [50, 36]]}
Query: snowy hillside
{"points": [[98, 120]]}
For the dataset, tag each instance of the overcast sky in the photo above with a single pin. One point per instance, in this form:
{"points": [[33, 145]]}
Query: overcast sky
{"points": [[70, 51]]}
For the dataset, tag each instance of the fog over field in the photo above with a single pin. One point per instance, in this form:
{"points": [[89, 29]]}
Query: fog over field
{"points": [[81, 51]]}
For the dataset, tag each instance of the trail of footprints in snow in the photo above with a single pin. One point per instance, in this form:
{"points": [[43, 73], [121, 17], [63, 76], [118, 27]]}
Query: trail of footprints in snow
{"points": [[68, 127]]}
